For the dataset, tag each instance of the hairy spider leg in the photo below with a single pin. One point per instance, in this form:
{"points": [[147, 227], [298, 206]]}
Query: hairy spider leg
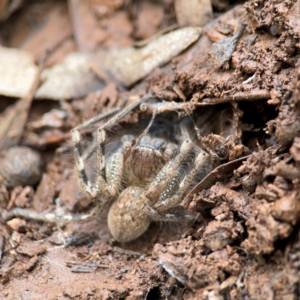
{"points": [[164, 196], [162, 180], [102, 186]]}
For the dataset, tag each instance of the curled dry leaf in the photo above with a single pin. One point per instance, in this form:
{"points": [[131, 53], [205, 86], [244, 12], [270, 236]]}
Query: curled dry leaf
{"points": [[130, 65]]}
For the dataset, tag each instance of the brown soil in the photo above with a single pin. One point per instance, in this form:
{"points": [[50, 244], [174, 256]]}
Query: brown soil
{"points": [[241, 83]]}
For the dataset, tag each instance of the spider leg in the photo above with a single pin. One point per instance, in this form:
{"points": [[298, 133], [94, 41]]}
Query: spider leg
{"points": [[55, 217], [167, 216], [109, 175], [122, 113], [159, 210], [168, 172], [169, 200], [108, 189]]}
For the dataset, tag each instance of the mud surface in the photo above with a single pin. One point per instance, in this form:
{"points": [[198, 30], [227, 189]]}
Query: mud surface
{"points": [[240, 84]]}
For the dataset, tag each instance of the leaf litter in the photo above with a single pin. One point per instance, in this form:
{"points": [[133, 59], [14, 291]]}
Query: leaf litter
{"points": [[246, 242]]}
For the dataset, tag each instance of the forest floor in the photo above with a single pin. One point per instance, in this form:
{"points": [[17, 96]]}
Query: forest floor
{"points": [[234, 71]]}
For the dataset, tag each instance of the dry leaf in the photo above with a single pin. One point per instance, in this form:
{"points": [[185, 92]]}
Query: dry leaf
{"points": [[130, 65], [71, 79], [17, 72]]}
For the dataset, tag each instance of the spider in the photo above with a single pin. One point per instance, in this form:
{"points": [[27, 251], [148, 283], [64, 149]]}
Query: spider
{"points": [[142, 175]]}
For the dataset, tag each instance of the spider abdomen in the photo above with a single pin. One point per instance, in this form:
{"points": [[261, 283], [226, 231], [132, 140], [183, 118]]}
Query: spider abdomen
{"points": [[126, 220]]}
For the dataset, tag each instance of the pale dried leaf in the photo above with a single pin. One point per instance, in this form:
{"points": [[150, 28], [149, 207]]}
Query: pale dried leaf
{"points": [[17, 72], [130, 65], [71, 79], [13, 119]]}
